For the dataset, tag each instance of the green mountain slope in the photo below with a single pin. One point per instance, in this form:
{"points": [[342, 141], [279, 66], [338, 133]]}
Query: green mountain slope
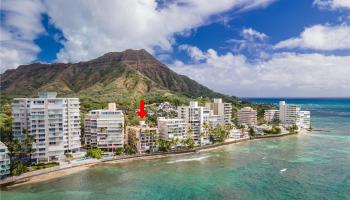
{"points": [[115, 76]]}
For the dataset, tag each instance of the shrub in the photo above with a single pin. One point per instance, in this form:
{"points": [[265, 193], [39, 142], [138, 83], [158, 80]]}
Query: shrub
{"points": [[44, 165], [18, 168], [68, 156], [274, 130], [119, 151]]}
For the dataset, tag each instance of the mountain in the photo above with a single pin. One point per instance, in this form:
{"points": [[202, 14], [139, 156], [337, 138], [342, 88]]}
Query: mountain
{"points": [[113, 76]]}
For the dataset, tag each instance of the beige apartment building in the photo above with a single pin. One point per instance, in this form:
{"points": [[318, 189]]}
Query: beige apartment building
{"points": [[224, 110], [104, 129], [146, 137], [247, 116]]}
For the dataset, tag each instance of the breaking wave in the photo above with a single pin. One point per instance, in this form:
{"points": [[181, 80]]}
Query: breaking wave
{"points": [[188, 159]]}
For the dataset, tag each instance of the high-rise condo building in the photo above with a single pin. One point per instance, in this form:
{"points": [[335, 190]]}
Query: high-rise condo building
{"points": [[288, 113], [4, 161], [172, 128], [195, 116], [247, 116], [104, 129], [53, 122], [222, 109], [291, 114]]}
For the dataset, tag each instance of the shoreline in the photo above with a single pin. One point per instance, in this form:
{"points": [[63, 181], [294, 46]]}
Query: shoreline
{"points": [[68, 170]]}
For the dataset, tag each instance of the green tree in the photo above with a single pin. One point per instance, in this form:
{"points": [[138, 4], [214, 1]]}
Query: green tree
{"points": [[220, 134], [251, 131], [94, 153], [5, 128], [293, 129], [164, 145], [129, 149], [133, 140], [14, 149], [274, 130]]}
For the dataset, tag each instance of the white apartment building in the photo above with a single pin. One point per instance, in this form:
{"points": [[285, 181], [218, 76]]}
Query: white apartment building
{"points": [[147, 137], [271, 115], [288, 113], [214, 120], [291, 114], [222, 109], [54, 123], [195, 116], [4, 161], [247, 116], [304, 119], [104, 129], [172, 128]]}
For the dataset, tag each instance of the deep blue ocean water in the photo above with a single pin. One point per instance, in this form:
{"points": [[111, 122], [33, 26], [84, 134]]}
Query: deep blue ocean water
{"points": [[306, 166]]}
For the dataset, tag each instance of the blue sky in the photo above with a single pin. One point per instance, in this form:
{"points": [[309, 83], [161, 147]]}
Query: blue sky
{"points": [[238, 47]]}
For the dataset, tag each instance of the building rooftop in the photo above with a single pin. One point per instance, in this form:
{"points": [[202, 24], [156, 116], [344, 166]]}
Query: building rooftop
{"points": [[47, 94]]}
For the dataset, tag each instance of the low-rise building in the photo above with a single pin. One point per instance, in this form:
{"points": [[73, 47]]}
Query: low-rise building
{"points": [[4, 161], [172, 128], [247, 116], [146, 137], [271, 115], [104, 129], [238, 133]]}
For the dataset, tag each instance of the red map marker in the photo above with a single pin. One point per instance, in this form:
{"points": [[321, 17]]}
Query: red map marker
{"points": [[142, 113]]}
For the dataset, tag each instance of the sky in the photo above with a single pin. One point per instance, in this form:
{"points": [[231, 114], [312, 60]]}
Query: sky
{"points": [[246, 48]]}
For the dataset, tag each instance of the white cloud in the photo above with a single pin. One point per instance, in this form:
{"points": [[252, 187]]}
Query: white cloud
{"points": [[253, 43], [320, 37], [251, 34], [332, 4], [101, 26], [92, 27], [20, 25], [285, 74], [194, 52]]}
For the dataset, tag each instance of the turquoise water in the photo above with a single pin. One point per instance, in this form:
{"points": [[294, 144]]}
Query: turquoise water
{"points": [[305, 166]]}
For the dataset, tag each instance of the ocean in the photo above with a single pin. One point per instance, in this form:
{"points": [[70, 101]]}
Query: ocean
{"points": [[307, 166]]}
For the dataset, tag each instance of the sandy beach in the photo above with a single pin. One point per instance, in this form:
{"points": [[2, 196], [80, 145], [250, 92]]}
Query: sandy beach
{"points": [[51, 175], [77, 169]]}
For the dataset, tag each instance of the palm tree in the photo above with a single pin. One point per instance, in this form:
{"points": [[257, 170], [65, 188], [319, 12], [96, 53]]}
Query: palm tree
{"points": [[189, 133], [206, 128], [28, 142], [133, 140], [14, 149]]}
